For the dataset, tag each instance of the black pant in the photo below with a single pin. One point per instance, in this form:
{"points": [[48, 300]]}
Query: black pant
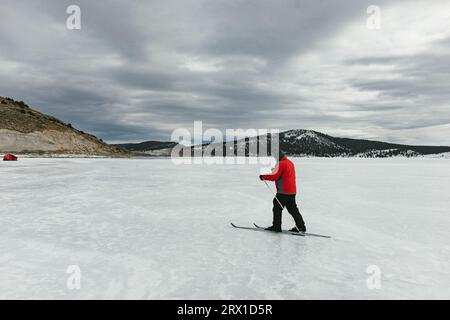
{"points": [[288, 201]]}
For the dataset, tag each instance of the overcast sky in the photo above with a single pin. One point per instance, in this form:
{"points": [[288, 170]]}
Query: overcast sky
{"points": [[137, 70]]}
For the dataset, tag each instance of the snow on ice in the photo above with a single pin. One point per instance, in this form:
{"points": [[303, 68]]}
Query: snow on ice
{"points": [[147, 229]]}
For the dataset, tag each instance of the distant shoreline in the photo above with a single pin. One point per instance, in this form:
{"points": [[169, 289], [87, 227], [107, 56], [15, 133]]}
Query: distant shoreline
{"points": [[445, 156]]}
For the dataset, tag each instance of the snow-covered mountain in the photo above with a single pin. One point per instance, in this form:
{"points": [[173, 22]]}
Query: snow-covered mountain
{"points": [[300, 142], [313, 143], [309, 142]]}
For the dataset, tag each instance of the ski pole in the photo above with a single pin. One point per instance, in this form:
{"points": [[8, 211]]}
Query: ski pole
{"points": [[275, 195]]}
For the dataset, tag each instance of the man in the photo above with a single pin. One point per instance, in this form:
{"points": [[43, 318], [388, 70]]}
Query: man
{"points": [[284, 177]]}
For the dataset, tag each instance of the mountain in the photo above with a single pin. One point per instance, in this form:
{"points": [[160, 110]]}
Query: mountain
{"points": [[301, 142], [24, 130], [147, 146], [313, 143]]}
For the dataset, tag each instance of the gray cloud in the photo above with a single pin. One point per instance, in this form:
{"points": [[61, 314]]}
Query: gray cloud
{"points": [[137, 70]]}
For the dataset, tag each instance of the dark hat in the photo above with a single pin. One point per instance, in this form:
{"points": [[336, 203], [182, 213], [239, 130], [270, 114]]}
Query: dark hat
{"points": [[281, 155]]}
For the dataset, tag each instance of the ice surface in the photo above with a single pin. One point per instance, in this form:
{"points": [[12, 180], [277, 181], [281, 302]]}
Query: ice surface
{"points": [[147, 229]]}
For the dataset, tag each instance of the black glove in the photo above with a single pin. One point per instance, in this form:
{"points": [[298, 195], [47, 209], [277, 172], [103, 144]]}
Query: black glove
{"points": [[261, 177]]}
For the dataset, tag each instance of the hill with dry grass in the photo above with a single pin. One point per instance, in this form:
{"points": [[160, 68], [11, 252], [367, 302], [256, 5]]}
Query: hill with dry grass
{"points": [[24, 130]]}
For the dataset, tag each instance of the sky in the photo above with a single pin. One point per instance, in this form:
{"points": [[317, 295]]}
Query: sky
{"points": [[138, 70]]}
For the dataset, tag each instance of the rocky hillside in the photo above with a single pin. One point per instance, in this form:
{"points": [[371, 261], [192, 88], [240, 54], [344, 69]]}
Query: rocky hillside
{"points": [[24, 130]]}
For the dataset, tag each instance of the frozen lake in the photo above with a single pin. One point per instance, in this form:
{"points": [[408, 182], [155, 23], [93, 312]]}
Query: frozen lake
{"points": [[147, 229]]}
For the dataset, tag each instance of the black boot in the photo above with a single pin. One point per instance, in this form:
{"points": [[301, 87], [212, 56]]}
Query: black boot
{"points": [[273, 228], [295, 229]]}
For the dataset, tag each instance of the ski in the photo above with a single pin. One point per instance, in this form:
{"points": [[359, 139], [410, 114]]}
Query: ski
{"points": [[262, 229], [301, 233]]}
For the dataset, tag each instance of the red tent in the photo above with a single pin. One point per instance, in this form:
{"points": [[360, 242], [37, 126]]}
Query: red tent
{"points": [[9, 157]]}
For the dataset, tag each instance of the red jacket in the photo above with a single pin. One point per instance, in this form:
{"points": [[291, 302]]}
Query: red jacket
{"points": [[284, 177]]}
